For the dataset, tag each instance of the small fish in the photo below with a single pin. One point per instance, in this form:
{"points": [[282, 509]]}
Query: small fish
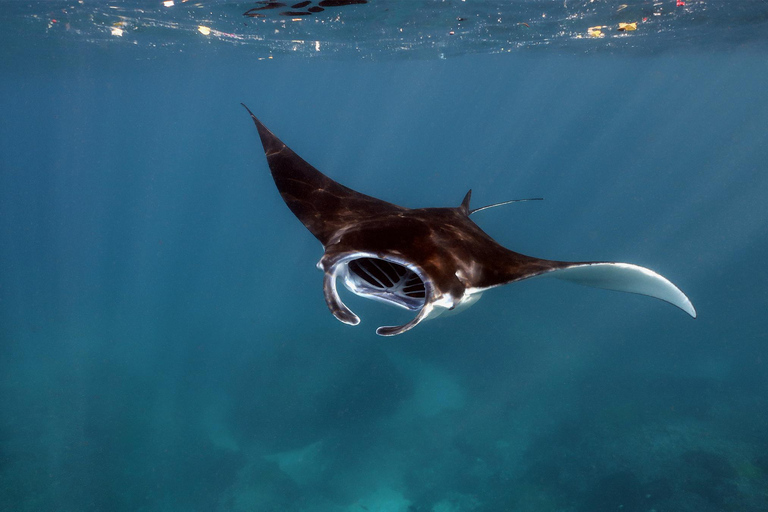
{"points": [[340, 3], [264, 6]]}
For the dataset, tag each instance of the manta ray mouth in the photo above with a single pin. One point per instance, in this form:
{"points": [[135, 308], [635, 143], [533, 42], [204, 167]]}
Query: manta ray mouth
{"points": [[385, 281]]}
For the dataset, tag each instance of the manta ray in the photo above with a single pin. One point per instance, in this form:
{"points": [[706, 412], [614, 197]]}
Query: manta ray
{"points": [[427, 260]]}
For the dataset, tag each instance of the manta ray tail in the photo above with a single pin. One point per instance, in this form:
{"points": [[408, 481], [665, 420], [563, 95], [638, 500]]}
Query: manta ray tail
{"points": [[464, 207]]}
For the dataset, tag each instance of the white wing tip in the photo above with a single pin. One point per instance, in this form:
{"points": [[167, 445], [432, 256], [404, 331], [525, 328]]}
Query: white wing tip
{"points": [[626, 277]]}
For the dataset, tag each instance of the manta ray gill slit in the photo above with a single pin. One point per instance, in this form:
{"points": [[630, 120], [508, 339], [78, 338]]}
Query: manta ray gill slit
{"points": [[386, 281]]}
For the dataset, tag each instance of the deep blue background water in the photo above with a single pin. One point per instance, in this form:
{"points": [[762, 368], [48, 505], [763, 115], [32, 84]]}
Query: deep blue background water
{"points": [[164, 344]]}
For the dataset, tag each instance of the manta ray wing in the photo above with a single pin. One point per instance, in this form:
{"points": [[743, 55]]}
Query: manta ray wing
{"points": [[428, 259], [321, 204], [625, 277]]}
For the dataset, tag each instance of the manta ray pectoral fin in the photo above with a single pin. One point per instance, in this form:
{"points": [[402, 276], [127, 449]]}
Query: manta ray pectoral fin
{"points": [[625, 277]]}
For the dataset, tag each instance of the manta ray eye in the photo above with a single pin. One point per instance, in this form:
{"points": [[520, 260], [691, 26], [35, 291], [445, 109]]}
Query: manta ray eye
{"points": [[386, 281]]}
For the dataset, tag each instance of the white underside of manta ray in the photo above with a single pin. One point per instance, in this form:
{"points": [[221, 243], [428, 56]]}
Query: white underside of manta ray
{"points": [[427, 260]]}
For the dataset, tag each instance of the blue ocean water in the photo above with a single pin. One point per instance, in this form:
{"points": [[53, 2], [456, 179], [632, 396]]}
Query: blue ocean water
{"points": [[164, 343]]}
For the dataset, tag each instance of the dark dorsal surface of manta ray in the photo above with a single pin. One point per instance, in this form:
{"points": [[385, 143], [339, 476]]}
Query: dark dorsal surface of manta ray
{"points": [[426, 259]]}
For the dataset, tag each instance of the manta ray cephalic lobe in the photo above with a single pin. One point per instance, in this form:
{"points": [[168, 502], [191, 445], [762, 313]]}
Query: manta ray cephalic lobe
{"points": [[426, 259]]}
